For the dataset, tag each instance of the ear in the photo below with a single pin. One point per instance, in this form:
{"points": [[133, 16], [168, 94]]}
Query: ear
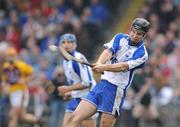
{"points": [[144, 36], [75, 45], [130, 29]]}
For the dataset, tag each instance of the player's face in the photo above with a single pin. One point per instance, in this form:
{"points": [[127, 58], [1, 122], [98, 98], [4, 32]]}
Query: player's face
{"points": [[68, 46], [136, 35], [10, 58]]}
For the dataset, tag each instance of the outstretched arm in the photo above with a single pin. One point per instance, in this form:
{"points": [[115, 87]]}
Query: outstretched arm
{"points": [[123, 66], [105, 56], [64, 89]]}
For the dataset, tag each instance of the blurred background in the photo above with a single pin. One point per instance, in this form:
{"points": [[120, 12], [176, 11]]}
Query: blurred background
{"points": [[31, 25]]}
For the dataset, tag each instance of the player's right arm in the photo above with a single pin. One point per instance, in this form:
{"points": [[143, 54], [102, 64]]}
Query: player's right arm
{"points": [[110, 49], [64, 89], [105, 56], [82, 72]]}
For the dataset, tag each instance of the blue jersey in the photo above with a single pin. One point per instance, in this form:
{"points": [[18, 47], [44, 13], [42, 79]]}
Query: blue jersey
{"points": [[124, 51], [78, 73]]}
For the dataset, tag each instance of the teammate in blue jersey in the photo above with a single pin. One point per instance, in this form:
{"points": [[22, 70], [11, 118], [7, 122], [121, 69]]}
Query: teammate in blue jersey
{"points": [[121, 57], [79, 77]]}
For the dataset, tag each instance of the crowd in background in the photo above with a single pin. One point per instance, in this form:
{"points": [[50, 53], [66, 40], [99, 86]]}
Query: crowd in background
{"points": [[34, 24], [163, 42], [31, 25], [160, 80]]}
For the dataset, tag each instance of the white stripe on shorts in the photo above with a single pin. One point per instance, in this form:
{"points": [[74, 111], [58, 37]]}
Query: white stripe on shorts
{"points": [[117, 101]]}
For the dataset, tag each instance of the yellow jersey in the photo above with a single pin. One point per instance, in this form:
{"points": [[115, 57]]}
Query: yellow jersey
{"points": [[15, 74]]}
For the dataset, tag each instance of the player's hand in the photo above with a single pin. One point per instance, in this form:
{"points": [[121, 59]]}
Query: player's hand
{"points": [[6, 91], [63, 90], [49, 87], [67, 96], [100, 68]]}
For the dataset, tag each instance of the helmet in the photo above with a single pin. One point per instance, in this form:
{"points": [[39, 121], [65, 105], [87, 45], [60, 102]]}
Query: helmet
{"points": [[141, 24], [11, 51], [68, 37]]}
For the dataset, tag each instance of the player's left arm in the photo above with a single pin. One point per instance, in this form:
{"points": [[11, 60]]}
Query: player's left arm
{"points": [[138, 60], [128, 65], [123, 66]]}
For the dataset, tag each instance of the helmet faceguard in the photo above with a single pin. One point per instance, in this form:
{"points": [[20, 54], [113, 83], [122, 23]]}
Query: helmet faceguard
{"points": [[141, 24], [72, 42], [68, 37]]}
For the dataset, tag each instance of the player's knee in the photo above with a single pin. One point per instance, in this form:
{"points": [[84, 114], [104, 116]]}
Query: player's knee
{"points": [[74, 120], [88, 123], [106, 123], [14, 113]]}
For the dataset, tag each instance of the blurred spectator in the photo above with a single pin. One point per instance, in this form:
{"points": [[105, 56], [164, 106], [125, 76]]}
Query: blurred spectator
{"points": [[3, 19], [13, 17], [143, 106], [13, 36], [51, 38], [56, 102], [45, 68], [35, 3], [31, 53], [32, 29], [62, 7], [77, 7], [55, 17], [45, 8], [170, 42], [167, 13], [99, 12]]}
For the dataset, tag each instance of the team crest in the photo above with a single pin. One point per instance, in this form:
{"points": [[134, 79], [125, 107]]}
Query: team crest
{"points": [[128, 54]]}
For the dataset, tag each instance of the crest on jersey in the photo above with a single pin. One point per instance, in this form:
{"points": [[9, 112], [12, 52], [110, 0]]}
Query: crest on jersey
{"points": [[128, 54]]}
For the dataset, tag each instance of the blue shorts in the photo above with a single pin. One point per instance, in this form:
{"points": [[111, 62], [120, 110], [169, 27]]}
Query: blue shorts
{"points": [[107, 97], [72, 104]]}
